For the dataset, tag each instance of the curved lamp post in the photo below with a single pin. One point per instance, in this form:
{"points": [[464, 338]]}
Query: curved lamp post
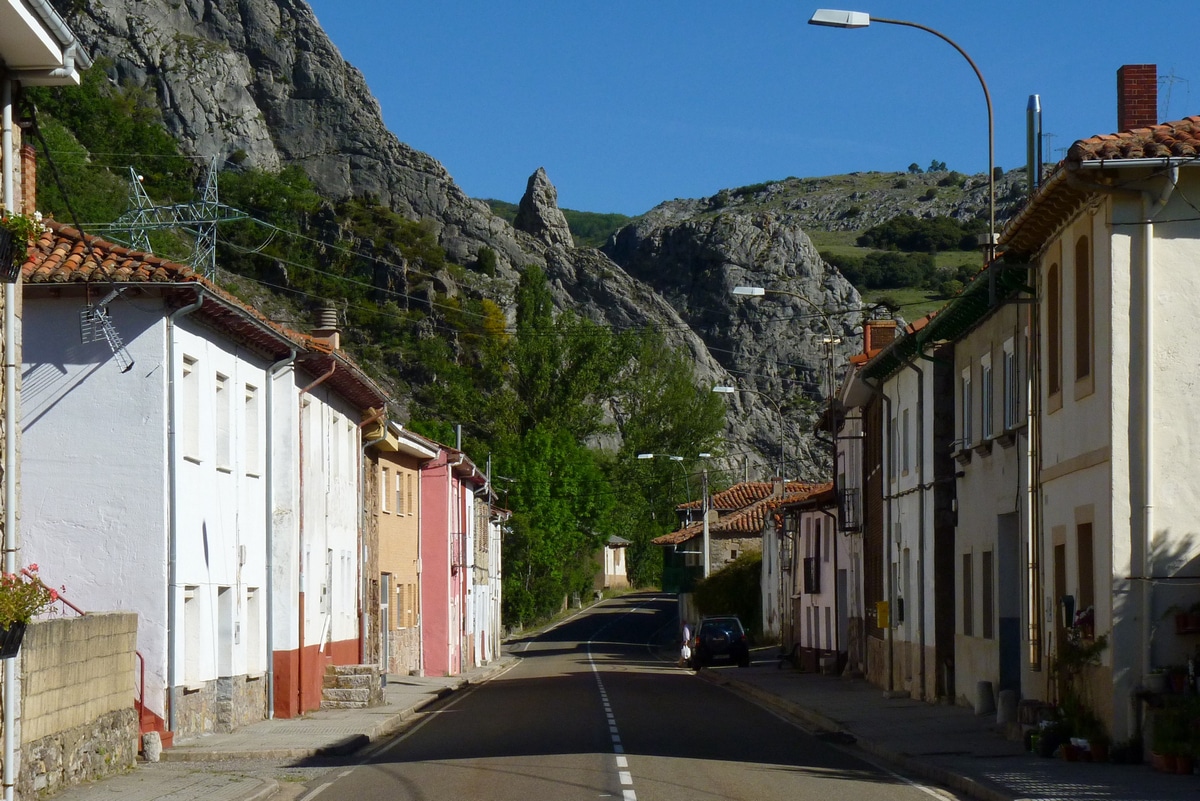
{"points": [[831, 339], [832, 18], [704, 500], [723, 390]]}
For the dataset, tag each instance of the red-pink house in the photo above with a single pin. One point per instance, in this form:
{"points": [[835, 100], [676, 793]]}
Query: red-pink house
{"points": [[449, 527]]}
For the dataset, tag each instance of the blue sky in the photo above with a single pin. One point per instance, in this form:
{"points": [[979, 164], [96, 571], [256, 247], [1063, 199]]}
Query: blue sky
{"points": [[630, 103]]}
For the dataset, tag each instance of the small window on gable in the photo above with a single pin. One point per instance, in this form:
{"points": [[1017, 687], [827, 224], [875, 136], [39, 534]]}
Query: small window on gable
{"points": [[986, 406], [1053, 330], [223, 422], [965, 402], [1012, 398], [1083, 309]]}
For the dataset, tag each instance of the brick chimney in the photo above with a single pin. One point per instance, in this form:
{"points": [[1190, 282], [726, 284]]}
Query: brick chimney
{"points": [[1137, 96], [878, 334], [27, 200]]}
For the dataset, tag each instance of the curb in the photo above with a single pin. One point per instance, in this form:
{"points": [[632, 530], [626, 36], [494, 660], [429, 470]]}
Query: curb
{"points": [[817, 720]]}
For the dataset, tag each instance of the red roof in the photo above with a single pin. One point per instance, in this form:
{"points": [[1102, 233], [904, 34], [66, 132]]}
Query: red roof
{"points": [[1179, 139], [749, 519]]}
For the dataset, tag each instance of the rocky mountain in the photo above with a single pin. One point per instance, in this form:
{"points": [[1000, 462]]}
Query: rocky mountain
{"points": [[259, 82]]}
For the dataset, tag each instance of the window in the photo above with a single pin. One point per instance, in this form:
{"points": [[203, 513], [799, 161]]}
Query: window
{"points": [[1053, 330], [409, 483], [383, 489], [1012, 401], [193, 650], [732, 554], [223, 455], [904, 448], [252, 424], [965, 401], [1087, 566], [988, 589], [256, 654], [893, 449], [985, 392], [189, 410], [1083, 310], [400, 507], [968, 596]]}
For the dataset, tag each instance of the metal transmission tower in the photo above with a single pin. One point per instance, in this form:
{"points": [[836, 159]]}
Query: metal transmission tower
{"points": [[198, 218]]}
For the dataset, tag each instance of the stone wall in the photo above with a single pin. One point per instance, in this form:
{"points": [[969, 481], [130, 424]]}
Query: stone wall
{"points": [[404, 651], [78, 721]]}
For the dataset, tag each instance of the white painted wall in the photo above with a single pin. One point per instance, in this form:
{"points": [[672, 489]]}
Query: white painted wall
{"points": [[94, 499], [330, 501], [220, 495]]}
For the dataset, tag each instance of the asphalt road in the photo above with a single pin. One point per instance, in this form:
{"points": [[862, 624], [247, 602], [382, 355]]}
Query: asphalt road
{"points": [[596, 710]]}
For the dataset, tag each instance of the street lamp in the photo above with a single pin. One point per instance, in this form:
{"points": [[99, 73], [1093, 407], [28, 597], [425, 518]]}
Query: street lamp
{"points": [[831, 338], [832, 18], [723, 390], [704, 500], [687, 484]]}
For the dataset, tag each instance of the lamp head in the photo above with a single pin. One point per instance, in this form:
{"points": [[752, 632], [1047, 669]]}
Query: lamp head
{"points": [[645, 456], [725, 390], [832, 18], [749, 291]]}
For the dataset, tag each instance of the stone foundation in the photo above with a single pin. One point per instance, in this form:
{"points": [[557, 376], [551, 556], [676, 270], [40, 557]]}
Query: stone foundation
{"points": [[220, 706], [85, 753]]}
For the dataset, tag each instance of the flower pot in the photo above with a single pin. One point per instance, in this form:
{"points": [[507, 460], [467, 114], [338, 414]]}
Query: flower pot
{"points": [[1071, 752], [1163, 763], [1099, 752], [1183, 765], [10, 640]]}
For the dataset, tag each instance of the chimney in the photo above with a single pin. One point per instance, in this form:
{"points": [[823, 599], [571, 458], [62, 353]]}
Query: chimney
{"points": [[877, 335], [327, 326], [1137, 96], [27, 201]]}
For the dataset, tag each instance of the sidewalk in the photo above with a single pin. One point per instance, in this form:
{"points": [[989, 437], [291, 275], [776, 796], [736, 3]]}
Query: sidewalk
{"points": [[323, 733], [949, 745]]}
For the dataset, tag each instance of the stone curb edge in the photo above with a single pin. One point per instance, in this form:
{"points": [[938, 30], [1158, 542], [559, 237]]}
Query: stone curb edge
{"points": [[827, 724]]}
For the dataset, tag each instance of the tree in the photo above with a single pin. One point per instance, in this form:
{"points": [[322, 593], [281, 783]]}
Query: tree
{"points": [[914, 168]]}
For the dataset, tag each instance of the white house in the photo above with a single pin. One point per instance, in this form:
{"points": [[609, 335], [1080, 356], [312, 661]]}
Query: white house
{"points": [[1112, 239], [190, 452]]}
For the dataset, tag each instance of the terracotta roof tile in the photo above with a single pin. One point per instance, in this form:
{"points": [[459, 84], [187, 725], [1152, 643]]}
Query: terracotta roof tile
{"points": [[749, 518], [744, 494], [1170, 139]]}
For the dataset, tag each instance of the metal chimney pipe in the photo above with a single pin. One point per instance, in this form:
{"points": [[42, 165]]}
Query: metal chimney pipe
{"points": [[1033, 143]]}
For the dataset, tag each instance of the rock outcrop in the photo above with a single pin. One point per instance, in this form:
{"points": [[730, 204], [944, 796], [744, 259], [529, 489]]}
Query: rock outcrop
{"points": [[538, 214]]}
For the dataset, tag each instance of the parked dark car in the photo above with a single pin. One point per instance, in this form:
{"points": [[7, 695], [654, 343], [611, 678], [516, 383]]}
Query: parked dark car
{"points": [[719, 638]]}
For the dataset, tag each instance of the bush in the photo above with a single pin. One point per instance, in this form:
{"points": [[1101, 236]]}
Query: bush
{"points": [[735, 590]]}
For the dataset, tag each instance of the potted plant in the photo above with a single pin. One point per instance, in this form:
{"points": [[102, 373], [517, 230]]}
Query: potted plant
{"points": [[22, 596], [17, 231]]}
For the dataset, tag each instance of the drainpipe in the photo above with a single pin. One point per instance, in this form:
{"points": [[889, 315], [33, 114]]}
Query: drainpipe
{"points": [[362, 543], [1152, 204], [877, 391], [269, 469], [921, 528], [300, 542], [173, 517], [12, 543]]}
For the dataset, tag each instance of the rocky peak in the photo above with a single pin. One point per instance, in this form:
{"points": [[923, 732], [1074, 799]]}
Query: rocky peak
{"points": [[539, 215]]}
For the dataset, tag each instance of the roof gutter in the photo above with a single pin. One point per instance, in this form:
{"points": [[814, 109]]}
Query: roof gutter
{"points": [[73, 55]]}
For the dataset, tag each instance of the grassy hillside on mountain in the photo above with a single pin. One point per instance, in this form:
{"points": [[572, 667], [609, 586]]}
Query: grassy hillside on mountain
{"points": [[589, 229]]}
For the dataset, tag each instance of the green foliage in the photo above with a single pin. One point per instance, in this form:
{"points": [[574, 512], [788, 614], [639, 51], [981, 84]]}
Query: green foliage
{"points": [[564, 499], [936, 166], [734, 589], [884, 269], [921, 234], [22, 597], [915, 168], [123, 126], [592, 230]]}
